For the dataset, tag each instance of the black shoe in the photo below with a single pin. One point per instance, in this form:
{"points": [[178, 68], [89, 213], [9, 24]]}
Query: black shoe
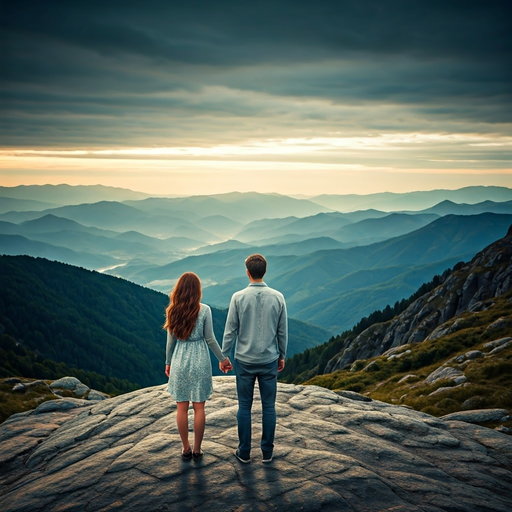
{"points": [[197, 455], [241, 459], [267, 457], [186, 455]]}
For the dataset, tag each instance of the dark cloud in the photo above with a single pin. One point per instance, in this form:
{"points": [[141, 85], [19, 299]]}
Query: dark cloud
{"points": [[232, 33], [108, 63]]}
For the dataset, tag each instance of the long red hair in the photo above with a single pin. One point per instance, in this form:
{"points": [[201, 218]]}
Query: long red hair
{"points": [[181, 313]]}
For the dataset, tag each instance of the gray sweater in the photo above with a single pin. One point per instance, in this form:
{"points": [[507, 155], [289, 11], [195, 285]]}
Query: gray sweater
{"points": [[257, 320], [202, 330]]}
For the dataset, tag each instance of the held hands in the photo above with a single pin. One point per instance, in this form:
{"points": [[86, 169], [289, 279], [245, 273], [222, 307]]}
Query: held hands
{"points": [[225, 366]]}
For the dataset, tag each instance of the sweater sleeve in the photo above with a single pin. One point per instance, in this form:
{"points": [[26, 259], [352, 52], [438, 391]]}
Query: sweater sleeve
{"points": [[282, 332], [171, 341], [209, 335], [231, 328]]}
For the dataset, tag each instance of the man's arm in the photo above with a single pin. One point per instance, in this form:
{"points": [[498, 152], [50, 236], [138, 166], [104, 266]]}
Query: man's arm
{"points": [[231, 328], [282, 332]]}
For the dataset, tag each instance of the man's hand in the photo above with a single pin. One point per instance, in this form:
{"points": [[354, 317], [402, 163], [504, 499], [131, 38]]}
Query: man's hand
{"points": [[280, 365], [225, 366], [168, 370]]}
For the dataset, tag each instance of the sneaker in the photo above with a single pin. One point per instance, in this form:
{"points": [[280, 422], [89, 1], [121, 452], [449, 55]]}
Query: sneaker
{"points": [[241, 459], [186, 455], [197, 455], [267, 458]]}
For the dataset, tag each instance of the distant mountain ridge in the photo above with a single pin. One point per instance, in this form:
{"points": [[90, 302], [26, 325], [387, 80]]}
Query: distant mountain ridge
{"points": [[59, 195], [417, 200], [332, 266], [310, 282]]}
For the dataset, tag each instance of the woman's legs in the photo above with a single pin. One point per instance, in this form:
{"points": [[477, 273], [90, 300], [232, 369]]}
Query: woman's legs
{"points": [[199, 424], [182, 422]]}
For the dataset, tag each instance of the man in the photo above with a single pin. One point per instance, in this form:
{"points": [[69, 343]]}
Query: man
{"points": [[257, 319]]}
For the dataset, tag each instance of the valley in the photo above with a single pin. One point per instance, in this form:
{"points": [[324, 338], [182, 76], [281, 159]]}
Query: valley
{"points": [[116, 260]]}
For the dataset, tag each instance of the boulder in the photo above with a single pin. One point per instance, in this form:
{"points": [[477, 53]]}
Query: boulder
{"points": [[441, 390], [19, 388], [474, 354], [62, 404], [398, 356], [80, 389], [497, 343], [11, 380], [405, 378], [479, 416], [443, 372], [473, 403], [500, 348], [96, 395], [332, 453], [69, 384], [65, 383], [352, 395], [498, 324]]}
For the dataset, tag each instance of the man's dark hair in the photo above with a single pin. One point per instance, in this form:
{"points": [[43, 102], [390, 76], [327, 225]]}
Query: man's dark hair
{"points": [[256, 264]]}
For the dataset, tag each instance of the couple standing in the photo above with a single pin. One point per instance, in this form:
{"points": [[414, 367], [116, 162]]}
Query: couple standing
{"points": [[257, 326]]}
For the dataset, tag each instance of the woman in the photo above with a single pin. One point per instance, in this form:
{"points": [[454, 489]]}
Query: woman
{"points": [[189, 324]]}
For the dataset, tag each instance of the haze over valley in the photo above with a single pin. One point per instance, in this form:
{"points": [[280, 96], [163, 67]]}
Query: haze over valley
{"points": [[335, 258]]}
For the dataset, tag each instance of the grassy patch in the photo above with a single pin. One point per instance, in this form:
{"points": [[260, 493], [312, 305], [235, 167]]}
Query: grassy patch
{"points": [[13, 402], [489, 382]]}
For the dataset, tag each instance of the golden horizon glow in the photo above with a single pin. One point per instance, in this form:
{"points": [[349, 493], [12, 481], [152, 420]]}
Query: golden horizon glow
{"points": [[298, 165]]}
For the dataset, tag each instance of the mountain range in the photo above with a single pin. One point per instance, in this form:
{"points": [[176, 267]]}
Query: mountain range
{"points": [[419, 200], [61, 195], [332, 266], [331, 287]]}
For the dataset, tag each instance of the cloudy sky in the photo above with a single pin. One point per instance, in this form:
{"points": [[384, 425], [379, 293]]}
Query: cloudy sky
{"points": [[290, 96]]}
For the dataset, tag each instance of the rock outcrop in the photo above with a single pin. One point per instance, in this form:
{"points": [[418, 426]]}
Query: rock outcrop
{"points": [[57, 388], [332, 453], [470, 288]]}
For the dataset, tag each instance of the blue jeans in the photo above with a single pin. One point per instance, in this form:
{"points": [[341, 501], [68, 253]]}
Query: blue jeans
{"points": [[246, 375]]}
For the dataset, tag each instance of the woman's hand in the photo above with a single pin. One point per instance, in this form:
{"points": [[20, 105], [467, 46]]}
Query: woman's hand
{"points": [[168, 370], [225, 366]]}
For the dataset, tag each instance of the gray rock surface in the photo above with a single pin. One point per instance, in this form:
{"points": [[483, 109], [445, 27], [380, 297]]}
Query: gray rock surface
{"points": [[439, 391], [96, 395], [81, 389], [500, 348], [332, 453], [474, 354], [65, 383], [497, 343], [405, 378], [442, 373], [479, 416], [353, 396], [12, 380]]}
